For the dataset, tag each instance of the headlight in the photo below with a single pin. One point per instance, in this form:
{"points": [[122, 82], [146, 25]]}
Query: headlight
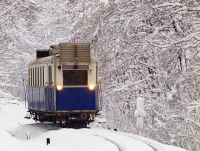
{"points": [[91, 87], [59, 87]]}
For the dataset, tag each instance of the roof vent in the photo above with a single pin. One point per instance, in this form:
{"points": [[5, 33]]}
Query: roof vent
{"points": [[74, 52]]}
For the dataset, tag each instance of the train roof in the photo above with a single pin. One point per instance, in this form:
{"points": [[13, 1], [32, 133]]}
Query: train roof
{"points": [[49, 59], [73, 52], [67, 53]]}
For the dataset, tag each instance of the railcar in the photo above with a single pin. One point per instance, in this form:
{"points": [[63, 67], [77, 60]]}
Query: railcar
{"points": [[63, 85]]}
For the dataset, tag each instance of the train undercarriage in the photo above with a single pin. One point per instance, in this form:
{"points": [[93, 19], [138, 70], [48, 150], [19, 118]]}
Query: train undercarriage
{"points": [[64, 119]]}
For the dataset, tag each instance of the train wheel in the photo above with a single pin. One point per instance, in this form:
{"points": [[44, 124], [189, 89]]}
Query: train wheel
{"points": [[84, 116]]}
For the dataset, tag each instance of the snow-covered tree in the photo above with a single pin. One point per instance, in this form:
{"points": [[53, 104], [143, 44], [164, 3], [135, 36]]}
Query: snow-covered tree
{"points": [[144, 48]]}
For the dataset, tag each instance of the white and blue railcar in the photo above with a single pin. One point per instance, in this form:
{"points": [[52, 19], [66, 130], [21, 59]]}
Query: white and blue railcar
{"points": [[63, 84]]}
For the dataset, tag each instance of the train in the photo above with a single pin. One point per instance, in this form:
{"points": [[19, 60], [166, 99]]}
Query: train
{"points": [[63, 85]]}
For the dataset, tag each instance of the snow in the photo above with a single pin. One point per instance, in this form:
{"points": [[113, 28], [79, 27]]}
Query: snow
{"points": [[144, 48], [14, 129], [104, 1], [140, 112]]}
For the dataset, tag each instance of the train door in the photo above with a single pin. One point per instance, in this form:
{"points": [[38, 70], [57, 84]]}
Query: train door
{"points": [[49, 90]]}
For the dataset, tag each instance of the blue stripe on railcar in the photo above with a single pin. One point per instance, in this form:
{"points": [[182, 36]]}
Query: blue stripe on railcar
{"points": [[75, 99], [49, 98], [40, 98]]}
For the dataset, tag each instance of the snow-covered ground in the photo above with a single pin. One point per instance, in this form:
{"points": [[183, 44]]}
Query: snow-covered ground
{"points": [[14, 130]]}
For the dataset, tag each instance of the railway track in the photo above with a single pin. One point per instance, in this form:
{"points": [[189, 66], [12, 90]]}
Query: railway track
{"points": [[127, 135], [118, 146], [121, 147]]}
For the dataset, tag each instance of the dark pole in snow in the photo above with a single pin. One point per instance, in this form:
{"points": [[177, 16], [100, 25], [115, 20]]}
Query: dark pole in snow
{"points": [[28, 135], [48, 141]]}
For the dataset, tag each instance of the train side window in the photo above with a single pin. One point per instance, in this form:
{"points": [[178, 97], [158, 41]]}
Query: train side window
{"points": [[33, 76], [43, 75], [40, 76], [36, 77], [75, 77], [28, 77], [50, 75]]}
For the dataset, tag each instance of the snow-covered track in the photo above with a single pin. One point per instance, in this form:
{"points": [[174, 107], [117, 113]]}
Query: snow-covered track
{"points": [[150, 145], [119, 147], [147, 144], [122, 142]]}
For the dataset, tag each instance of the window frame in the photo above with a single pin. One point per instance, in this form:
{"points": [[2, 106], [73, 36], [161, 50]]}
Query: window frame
{"points": [[50, 76], [75, 82]]}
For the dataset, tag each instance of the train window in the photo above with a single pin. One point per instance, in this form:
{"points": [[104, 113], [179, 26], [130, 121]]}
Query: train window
{"points": [[50, 75], [40, 76], [75, 77], [35, 84], [28, 77], [43, 75], [36, 75], [33, 76]]}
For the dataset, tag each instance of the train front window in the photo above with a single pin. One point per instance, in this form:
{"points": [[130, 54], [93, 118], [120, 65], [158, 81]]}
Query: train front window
{"points": [[75, 77]]}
